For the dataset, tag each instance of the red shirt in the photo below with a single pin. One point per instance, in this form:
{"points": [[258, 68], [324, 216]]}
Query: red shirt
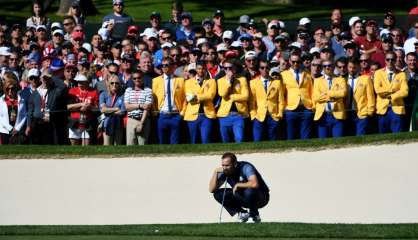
{"points": [[213, 70], [365, 44], [12, 108], [76, 95]]}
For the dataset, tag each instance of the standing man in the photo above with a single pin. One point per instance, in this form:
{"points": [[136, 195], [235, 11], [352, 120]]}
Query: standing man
{"points": [[169, 101], [360, 100], [391, 88], [248, 189], [266, 104], [412, 77], [298, 87], [233, 109], [329, 94], [120, 19], [200, 112]]}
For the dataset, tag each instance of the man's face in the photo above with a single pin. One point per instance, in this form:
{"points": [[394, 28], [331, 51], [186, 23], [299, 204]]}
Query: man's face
{"points": [[165, 37], [387, 45], [68, 25], [328, 68], [218, 20], [295, 62], [58, 38], [264, 69], [390, 60], [167, 68], [358, 28], [250, 63], [371, 29], [397, 36], [118, 8], [155, 22], [70, 73], [316, 66], [341, 68], [146, 64], [352, 68], [228, 166], [185, 22], [318, 35], [200, 71], [364, 61], [411, 61]]}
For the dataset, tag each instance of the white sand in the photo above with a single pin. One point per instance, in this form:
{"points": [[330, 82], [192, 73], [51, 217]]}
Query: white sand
{"points": [[373, 184]]}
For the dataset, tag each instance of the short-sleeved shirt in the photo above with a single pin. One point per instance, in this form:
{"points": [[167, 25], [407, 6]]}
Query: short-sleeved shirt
{"points": [[142, 96], [243, 172], [112, 121], [76, 95], [121, 25]]}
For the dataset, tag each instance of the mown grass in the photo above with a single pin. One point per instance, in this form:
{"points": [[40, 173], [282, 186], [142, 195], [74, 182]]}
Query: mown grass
{"points": [[219, 231], [34, 151], [19, 10]]}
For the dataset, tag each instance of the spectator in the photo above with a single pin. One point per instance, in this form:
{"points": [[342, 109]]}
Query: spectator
{"points": [[155, 21], [218, 20], [38, 16], [316, 68], [76, 12], [412, 78], [120, 19], [185, 32], [69, 24], [397, 37], [176, 11], [409, 45]]}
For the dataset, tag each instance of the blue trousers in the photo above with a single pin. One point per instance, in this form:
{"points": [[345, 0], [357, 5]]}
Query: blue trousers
{"points": [[356, 126], [233, 124], [203, 125], [329, 126], [169, 128], [390, 122], [299, 122], [269, 126], [243, 198]]}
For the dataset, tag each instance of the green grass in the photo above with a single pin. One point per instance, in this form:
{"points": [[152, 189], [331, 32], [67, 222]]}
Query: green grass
{"points": [[216, 231], [18, 10], [34, 151]]}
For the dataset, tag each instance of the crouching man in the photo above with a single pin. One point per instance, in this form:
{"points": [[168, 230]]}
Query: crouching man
{"points": [[248, 188]]}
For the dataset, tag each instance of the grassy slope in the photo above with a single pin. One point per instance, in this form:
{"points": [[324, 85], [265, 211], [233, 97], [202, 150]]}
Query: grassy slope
{"points": [[228, 230], [140, 9], [31, 151]]}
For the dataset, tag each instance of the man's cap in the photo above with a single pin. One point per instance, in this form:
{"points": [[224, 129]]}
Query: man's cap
{"points": [[75, 4], [34, 57], [87, 46], [275, 70], [231, 54], [155, 15], [56, 25], [303, 35], [34, 72], [387, 38], [228, 35], [77, 35], [295, 45], [221, 47], [314, 50], [128, 57], [41, 27], [186, 15], [16, 26], [371, 22], [5, 51], [327, 50], [68, 65], [279, 38], [80, 78], [258, 35], [244, 19], [384, 32], [245, 36], [56, 64], [236, 44], [345, 36], [350, 45], [353, 20], [207, 21], [191, 67], [304, 21], [167, 45], [250, 55], [389, 13], [133, 28], [201, 41], [149, 33], [196, 50], [58, 31], [117, 45], [282, 25], [114, 2], [218, 12], [273, 25]]}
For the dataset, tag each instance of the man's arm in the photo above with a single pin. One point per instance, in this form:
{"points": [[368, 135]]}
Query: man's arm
{"points": [[214, 183], [251, 183]]}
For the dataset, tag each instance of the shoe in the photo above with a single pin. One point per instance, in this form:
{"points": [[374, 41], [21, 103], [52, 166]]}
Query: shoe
{"points": [[256, 219], [243, 216]]}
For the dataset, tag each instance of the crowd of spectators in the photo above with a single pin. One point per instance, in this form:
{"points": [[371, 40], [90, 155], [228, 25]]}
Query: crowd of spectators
{"points": [[185, 81]]}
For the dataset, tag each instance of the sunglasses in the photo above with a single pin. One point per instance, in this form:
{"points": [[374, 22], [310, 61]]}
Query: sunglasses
{"points": [[166, 38], [294, 62], [212, 53], [263, 67], [341, 66], [113, 73], [228, 68], [68, 23], [13, 59], [33, 78], [175, 55], [136, 78], [114, 83], [316, 65], [364, 60], [326, 65], [118, 4], [165, 65], [390, 59]]}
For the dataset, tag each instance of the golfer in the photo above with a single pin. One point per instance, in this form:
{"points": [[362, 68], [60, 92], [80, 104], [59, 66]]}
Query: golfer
{"points": [[248, 188]]}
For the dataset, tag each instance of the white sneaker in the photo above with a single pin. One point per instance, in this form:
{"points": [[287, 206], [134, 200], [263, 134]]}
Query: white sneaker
{"points": [[243, 216], [256, 219]]}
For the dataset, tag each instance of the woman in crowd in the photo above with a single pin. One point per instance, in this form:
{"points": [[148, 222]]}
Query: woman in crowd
{"points": [[38, 16]]}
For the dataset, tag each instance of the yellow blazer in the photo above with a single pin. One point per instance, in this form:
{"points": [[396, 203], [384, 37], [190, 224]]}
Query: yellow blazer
{"points": [[205, 96], [261, 101], [295, 93], [397, 89], [158, 88], [236, 93], [363, 97], [322, 94]]}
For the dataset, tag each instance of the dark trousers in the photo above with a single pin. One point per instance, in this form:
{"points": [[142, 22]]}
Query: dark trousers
{"points": [[269, 127], [169, 128], [329, 126], [390, 122], [243, 198], [299, 123]]}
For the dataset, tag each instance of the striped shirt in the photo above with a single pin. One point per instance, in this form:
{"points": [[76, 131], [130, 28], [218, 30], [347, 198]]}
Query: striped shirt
{"points": [[132, 96]]}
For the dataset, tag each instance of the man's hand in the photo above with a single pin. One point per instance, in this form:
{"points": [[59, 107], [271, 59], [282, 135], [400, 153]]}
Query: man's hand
{"points": [[219, 170], [235, 188]]}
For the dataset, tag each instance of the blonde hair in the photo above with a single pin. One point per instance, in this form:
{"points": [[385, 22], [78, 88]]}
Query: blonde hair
{"points": [[9, 79]]}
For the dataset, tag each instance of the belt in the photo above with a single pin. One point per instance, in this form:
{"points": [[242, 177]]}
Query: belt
{"points": [[170, 113], [136, 117]]}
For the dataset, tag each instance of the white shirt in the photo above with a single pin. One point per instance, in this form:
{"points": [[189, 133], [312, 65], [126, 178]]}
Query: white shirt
{"points": [[409, 45], [268, 82], [299, 73], [353, 87], [330, 105], [173, 104]]}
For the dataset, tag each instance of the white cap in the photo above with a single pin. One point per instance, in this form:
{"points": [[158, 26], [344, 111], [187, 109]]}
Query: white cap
{"points": [[56, 25], [167, 45], [87, 46], [221, 47], [304, 21], [272, 23], [296, 44], [274, 70], [80, 78], [149, 33], [314, 50], [236, 44], [353, 20], [58, 31], [40, 26], [228, 34], [34, 72], [282, 25], [275, 59], [5, 51], [384, 31], [191, 66], [250, 54], [201, 41]]}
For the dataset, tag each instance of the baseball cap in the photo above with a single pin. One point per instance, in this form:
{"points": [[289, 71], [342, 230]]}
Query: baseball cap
{"points": [[56, 25], [244, 19], [227, 34], [250, 55], [77, 35], [80, 78], [230, 54], [87, 46], [279, 38], [304, 21], [155, 15], [245, 36], [201, 41], [34, 73], [5, 51], [41, 27], [371, 22], [275, 70], [191, 67], [167, 45], [384, 32], [207, 21], [350, 45], [221, 47], [345, 36], [258, 35], [273, 25], [56, 64], [186, 15], [327, 49], [296, 45], [219, 13], [58, 31], [75, 4], [314, 50], [133, 28], [117, 2], [236, 44], [282, 25], [353, 20], [386, 38]]}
